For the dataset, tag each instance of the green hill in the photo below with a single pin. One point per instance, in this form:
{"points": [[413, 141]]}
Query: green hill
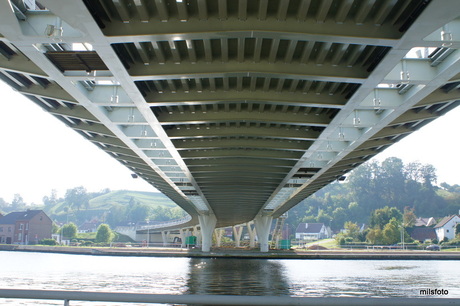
{"points": [[124, 197], [117, 207]]}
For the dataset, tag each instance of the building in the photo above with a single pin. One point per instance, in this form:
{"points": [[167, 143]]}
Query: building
{"points": [[422, 234], [446, 227], [425, 222], [6, 230], [312, 231], [89, 227], [26, 227]]}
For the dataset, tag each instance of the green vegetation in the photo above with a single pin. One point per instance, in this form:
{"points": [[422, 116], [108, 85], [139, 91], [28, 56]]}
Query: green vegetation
{"points": [[385, 196], [69, 230], [47, 242], [112, 207], [104, 234], [327, 243], [409, 188]]}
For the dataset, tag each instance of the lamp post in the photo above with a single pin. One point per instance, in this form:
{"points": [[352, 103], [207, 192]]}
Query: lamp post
{"points": [[148, 232], [402, 235]]}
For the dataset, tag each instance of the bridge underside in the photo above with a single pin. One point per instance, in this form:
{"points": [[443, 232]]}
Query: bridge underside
{"points": [[236, 108]]}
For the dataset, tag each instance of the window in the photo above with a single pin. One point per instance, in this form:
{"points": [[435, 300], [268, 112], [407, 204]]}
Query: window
{"points": [[447, 230], [1, 229], [20, 237], [9, 229], [27, 226], [21, 226]]}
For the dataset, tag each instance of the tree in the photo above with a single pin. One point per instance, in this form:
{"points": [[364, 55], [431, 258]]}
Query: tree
{"points": [[17, 203], [104, 234], [69, 230], [375, 236], [380, 217], [55, 228], [138, 212], [116, 215], [457, 230], [409, 217], [428, 173], [77, 197], [351, 230], [3, 204], [391, 232], [339, 216], [51, 200], [391, 180], [364, 187]]}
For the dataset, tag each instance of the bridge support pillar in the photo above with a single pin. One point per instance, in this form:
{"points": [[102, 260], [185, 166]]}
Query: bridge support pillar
{"points": [[207, 225], [263, 224], [197, 233], [218, 232], [182, 232], [164, 237], [237, 231], [252, 234]]}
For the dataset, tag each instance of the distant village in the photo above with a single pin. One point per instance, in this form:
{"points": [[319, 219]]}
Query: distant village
{"points": [[425, 230], [33, 226]]}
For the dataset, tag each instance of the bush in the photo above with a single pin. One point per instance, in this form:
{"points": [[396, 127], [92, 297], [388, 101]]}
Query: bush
{"points": [[453, 242], [69, 230], [48, 242], [104, 234]]}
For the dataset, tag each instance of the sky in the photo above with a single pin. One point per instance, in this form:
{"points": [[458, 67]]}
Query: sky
{"points": [[38, 153]]}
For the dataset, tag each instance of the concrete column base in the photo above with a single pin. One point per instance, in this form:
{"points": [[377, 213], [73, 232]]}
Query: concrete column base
{"points": [[218, 233], [252, 234], [164, 237], [237, 231], [182, 237], [207, 224], [263, 224]]}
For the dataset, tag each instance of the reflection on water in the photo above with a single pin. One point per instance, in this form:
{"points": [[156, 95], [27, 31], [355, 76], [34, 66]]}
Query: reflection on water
{"points": [[371, 278], [398, 268], [236, 277], [310, 278]]}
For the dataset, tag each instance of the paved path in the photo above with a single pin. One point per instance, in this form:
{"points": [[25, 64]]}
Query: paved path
{"points": [[242, 253]]}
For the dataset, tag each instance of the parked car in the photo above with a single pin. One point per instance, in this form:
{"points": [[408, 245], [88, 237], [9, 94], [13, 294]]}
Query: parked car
{"points": [[433, 247]]}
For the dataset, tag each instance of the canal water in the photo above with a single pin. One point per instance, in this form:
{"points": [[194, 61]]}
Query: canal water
{"points": [[305, 278]]}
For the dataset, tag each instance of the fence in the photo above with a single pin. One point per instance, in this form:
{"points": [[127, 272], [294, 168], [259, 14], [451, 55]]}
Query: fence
{"points": [[67, 296]]}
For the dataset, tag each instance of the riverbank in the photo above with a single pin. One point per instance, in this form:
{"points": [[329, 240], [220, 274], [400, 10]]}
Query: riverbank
{"points": [[240, 253]]}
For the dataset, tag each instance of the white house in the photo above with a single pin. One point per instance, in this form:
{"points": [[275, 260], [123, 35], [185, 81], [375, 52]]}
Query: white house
{"points": [[446, 227], [312, 231]]}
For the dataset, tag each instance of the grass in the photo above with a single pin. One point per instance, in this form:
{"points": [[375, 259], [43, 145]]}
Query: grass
{"points": [[104, 202], [124, 196], [453, 249], [329, 243], [86, 236]]}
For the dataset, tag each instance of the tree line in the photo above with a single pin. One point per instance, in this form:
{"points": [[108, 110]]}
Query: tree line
{"points": [[375, 185], [372, 186], [75, 207]]}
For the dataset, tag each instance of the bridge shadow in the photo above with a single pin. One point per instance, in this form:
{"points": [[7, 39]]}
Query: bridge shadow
{"points": [[235, 276]]}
